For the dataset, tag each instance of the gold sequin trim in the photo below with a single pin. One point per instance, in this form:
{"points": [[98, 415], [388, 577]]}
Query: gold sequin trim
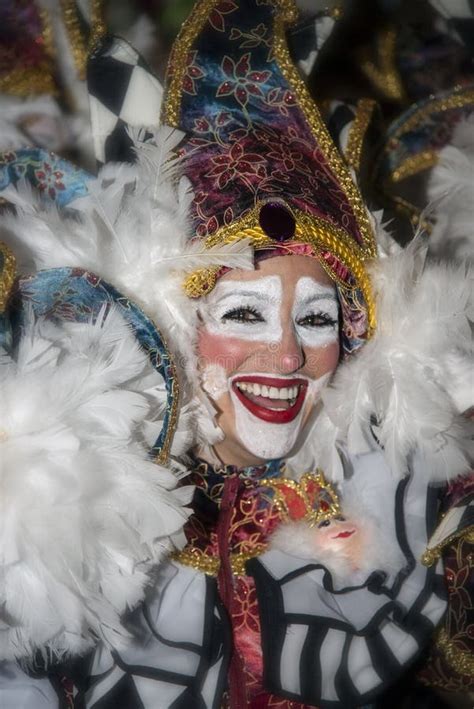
{"points": [[459, 99], [459, 660], [411, 212], [414, 164], [35, 80], [178, 59], [316, 232], [7, 275], [384, 75], [210, 565], [353, 152], [300, 487], [286, 14], [431, 555], [79, 46], [21, 82], [336, 12]]}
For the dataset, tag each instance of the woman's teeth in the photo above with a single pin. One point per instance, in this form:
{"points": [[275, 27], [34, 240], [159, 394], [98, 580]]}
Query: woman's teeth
{"points": [[283, 393]]}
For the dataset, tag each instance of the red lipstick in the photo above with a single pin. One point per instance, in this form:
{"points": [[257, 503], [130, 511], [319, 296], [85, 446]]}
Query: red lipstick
{"points": [[344, 535], [271, 415]]}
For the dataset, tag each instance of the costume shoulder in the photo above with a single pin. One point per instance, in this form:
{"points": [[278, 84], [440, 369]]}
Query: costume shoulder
{"points": [[90, 501]]}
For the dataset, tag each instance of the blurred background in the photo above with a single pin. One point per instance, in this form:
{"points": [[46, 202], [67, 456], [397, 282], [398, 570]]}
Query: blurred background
{"points": [[401, 70]]}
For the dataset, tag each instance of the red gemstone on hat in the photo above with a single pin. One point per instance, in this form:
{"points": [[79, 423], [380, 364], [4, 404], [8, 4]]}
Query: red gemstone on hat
{"points": [[277, 221]]}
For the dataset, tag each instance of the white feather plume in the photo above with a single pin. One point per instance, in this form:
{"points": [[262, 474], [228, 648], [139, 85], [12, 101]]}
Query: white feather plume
{"points": [[133, 230], [84, 513], [398, 387], [450, 190]]}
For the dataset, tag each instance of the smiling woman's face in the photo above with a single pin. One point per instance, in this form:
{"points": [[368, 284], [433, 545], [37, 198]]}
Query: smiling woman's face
{"points": [[268, 342]]}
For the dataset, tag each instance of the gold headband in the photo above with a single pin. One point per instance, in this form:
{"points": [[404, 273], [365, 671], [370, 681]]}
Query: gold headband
{"points": [[310, 230]]}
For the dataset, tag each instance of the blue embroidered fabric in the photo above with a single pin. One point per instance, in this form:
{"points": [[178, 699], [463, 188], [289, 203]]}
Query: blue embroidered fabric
{"points": [[53, 177], [72, 294]]}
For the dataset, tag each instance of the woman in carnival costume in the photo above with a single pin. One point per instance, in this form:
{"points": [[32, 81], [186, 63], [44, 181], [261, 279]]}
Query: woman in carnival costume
{"points": [[314, 420]]}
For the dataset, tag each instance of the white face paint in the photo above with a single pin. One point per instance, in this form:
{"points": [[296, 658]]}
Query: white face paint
{"points": [[272, 440], [315, 313], [248, 310], [251, 311]]}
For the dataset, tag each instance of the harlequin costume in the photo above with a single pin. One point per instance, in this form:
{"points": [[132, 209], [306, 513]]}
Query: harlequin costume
{"points": [[225, 612]]}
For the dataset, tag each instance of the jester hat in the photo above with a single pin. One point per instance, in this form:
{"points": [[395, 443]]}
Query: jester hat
{"points": [[413, 145], [259, 158]]}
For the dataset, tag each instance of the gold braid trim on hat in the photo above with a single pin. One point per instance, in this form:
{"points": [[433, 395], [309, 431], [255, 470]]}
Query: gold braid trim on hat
{"points": [[357, 132], [384, 74], [414, 164], [7, 274], [423, 160], [177, 61], [287, 16], [311, 230], [459, 99]]}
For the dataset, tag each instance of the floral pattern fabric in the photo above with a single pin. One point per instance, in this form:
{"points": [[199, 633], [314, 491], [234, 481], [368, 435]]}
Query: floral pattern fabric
{"points": [[246, 124], [448, 666], [55, 179]]}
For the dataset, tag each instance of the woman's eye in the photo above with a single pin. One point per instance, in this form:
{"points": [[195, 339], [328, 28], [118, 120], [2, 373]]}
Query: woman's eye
{"points": [[324, 523], [316, 320], [245, 315]]}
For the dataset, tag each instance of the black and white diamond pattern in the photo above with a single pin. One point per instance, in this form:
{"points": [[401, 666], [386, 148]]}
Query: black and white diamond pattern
{"points": [[122, 92]]}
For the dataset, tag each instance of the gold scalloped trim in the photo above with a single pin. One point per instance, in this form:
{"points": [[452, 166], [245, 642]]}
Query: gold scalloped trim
{"points": [[286, 14], [309, 230], [363, 116], [7, 275], [210, 564], [312, 516]]}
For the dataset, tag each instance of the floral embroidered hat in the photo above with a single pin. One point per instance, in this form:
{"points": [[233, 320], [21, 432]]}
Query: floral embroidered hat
{"points": [[261, 162]]}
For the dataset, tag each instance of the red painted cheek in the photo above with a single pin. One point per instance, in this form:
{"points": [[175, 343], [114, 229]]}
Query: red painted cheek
{"points": [[227, 352]]}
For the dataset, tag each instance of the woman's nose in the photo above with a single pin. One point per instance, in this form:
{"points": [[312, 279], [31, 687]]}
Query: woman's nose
{"points": [[290, 352]]}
